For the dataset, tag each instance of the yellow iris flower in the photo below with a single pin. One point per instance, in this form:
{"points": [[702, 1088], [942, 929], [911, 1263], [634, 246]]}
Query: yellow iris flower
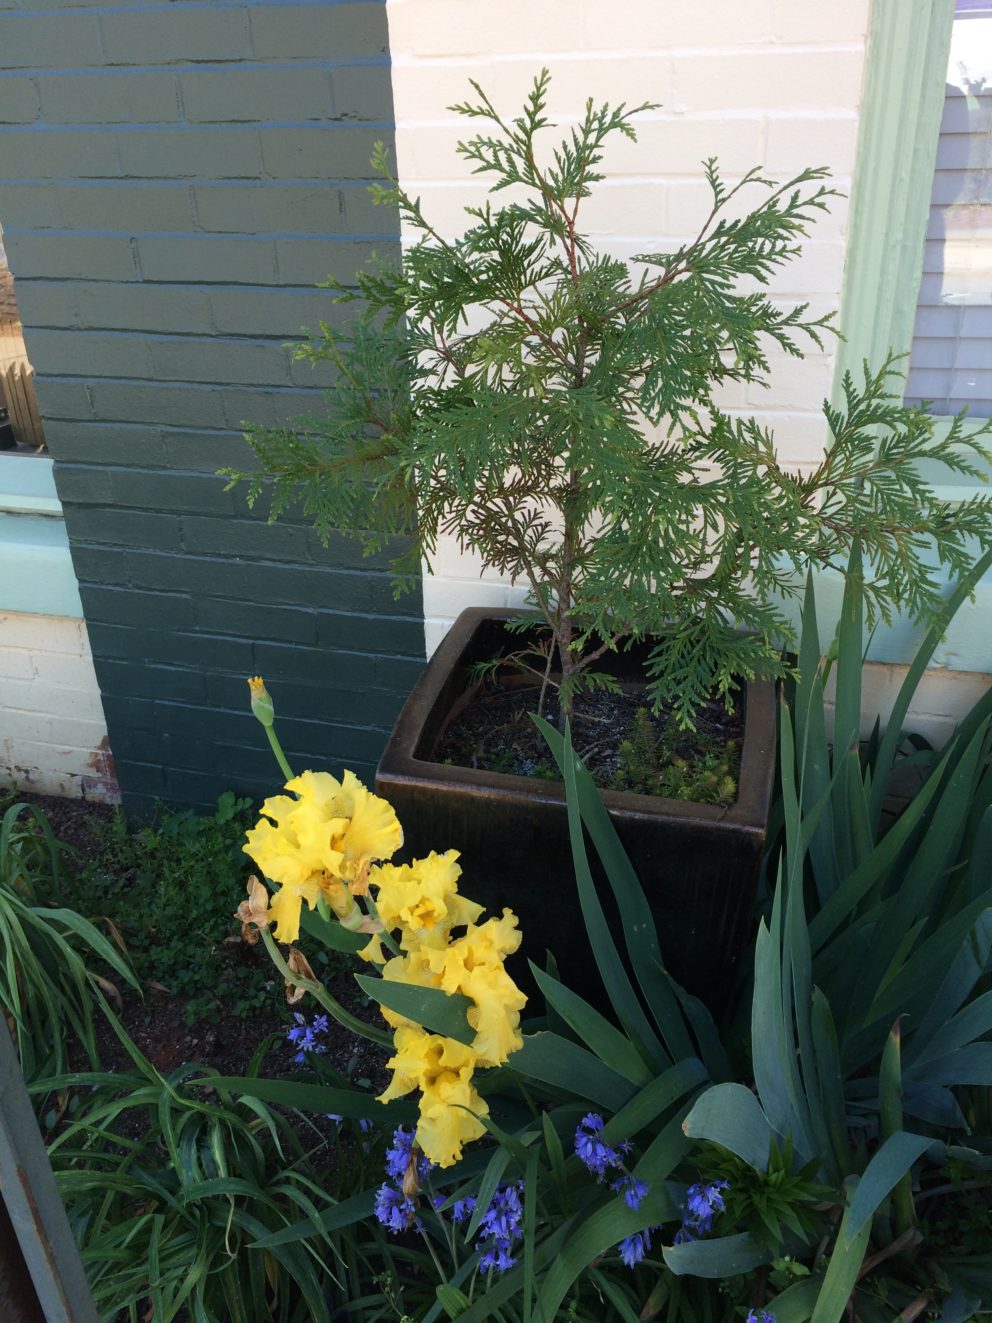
{"points": [[332, 831], [421, 899], [326, 838], [442, 1070], [473, 966]]}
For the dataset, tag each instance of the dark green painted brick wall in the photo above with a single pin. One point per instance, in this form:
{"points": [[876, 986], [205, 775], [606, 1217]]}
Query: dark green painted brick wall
{"points": [[177, 178]]}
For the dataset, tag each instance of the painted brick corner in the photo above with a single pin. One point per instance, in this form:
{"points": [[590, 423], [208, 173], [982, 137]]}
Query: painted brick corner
{"points": [[178, 180]]}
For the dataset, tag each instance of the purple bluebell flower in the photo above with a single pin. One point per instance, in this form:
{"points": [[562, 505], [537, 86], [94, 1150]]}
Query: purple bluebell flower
{"points": [[702, 1202], [394, 1210], [503, 1218], [496, 1259], [336, 1117], [398, 1153], [304, 1036], [596, 1155], [633, 1248], [365, 1125], [500, 1227], [631, 1188], [462, 1209], [398, 1156], [760, 1316]]}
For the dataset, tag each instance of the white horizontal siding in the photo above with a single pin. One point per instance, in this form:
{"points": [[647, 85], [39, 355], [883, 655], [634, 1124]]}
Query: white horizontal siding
{"points": [[951, 358]]}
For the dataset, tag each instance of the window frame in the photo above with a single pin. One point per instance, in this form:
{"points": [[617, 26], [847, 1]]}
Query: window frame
{"points": [[906, 67], [908, 47], [905, 71]]}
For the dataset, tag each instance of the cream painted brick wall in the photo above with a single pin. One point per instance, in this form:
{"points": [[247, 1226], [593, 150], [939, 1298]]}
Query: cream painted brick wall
{"points": [[53, 736], [942, 700], [773, 83]]}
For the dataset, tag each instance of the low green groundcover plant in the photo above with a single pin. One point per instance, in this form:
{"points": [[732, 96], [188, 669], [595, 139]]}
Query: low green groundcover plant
{"points": [[168, 888], [651, 765], [170, 1183]]}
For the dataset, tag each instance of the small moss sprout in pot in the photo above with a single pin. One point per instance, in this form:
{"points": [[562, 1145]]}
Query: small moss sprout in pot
{"points": [[559, 411]]}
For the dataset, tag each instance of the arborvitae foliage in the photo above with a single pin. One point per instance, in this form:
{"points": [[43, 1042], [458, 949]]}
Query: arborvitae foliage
{"points": [[554, 408]]}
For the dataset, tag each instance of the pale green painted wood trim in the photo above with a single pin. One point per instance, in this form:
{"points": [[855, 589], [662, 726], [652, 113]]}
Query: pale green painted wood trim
{"points": [[908, 47], [37, 576], [27, 485]]}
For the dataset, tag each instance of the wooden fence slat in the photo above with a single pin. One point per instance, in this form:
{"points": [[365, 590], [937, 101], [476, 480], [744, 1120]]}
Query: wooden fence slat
{"points": [[13, 400], [18, 389], [27, 372], [29, 1191]]}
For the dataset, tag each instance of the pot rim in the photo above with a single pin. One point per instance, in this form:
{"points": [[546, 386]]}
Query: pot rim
{"points": [[398, 763]]}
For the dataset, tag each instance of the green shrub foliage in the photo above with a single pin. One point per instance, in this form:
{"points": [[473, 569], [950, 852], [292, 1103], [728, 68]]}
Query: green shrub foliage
{"points": [[559, 411]]}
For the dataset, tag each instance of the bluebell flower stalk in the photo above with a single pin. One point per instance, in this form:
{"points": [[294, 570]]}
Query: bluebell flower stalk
{"points": [[596, 1155], [633, 1248], [395, 1210], [632, 1189]]}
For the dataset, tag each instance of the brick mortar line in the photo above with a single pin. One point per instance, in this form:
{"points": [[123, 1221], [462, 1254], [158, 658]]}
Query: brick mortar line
{"points": [[345, 236], [164, 336], [223, 559], [44, 127], [286, 63], [288, 291], [108, 69], [245, 711], [73, 377], [571, 55]]}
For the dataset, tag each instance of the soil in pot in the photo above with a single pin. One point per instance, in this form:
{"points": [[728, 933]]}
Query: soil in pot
{"points": [[622, 743]]}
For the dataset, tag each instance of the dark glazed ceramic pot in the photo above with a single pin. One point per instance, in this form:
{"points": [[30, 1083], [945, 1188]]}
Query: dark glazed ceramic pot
{"points": [[698, 863]]}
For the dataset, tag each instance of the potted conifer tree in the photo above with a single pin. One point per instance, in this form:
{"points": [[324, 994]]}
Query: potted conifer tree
{"points": [[558, 411]]}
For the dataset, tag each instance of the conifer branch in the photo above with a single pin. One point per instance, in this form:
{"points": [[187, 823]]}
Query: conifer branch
{"points": [[514, 388]]}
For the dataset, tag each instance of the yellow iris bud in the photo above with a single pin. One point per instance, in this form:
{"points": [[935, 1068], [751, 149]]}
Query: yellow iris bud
{"points": [[261, 702]]}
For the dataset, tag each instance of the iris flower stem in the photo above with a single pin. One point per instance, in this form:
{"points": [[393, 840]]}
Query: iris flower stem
{"points": [[385, 936], [318, 991], [287, 771]]}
